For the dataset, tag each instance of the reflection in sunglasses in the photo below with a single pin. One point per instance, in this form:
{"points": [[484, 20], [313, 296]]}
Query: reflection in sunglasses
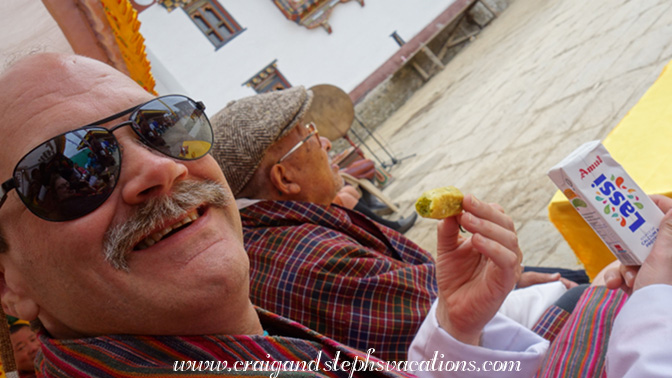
{"points": [[72, 174]]}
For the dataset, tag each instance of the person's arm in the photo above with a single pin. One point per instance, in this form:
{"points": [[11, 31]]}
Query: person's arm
{"points": [[506, 347], [525, 306], [657, 266], [474, 276], [641, 339]]}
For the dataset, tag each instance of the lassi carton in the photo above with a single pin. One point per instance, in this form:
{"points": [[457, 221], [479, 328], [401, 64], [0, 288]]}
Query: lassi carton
{"points": [[617, 209]]}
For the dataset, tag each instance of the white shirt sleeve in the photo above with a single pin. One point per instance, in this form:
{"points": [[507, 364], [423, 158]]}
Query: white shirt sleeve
{"points": [[508, 348], [641, 339], [526, 305]]}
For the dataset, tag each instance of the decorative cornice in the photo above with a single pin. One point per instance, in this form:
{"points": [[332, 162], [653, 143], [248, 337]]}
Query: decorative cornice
{"points": [[264, 73], [268, 79], [123, 20], [170, 5], [310, 13]]}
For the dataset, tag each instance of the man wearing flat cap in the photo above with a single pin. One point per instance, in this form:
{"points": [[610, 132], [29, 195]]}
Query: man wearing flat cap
{"points": [[325, 266]]}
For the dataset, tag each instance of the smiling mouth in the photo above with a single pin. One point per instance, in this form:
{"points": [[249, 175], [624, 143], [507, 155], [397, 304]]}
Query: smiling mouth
{"points": [[169, 230]]}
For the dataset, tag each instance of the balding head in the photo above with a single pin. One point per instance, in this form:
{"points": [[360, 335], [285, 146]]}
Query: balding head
{"points": [[58, 273]]}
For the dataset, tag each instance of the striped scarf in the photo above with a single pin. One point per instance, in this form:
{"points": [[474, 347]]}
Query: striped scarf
{"points": [[580, 346], [203, 356]]}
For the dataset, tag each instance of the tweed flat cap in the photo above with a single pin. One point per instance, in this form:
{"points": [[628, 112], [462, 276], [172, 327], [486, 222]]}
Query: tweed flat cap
{"points": [[245, 129]]}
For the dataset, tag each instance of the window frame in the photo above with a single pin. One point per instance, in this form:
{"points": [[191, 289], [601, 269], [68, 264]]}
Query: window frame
{"points": [[199, 8]]}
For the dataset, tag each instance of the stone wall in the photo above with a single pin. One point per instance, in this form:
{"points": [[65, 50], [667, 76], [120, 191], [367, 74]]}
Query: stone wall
{"points": [[391, 94]]}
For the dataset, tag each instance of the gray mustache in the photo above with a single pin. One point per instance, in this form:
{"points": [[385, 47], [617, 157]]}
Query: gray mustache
{"points": [[186, 195]]}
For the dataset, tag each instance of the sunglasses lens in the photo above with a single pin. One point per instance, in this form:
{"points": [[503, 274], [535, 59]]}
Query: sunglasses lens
{"points": [[174, 125], [70, 175]]}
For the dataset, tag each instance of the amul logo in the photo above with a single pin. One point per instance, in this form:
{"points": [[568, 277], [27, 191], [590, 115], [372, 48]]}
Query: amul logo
{"points": [[619, 201], [592, 167]]}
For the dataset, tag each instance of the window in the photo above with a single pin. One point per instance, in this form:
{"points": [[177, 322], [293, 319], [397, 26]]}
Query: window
{"points": [[213, 20], [268, 79]]}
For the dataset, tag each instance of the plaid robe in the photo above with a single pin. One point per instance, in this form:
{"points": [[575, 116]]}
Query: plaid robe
{"points": [[339, 273], [157, 356]]}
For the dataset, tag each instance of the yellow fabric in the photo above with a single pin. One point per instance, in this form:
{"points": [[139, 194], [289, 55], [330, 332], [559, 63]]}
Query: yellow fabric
{"points": [[19, 321], [641, 144]]}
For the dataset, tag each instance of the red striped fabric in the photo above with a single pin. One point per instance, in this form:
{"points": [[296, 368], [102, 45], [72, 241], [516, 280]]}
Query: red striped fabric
{"points": [[157, 356], [580, 347]]}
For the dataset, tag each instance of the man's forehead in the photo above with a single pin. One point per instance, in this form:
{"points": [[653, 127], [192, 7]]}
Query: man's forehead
{"points": [[43, 96], [39, 84]]}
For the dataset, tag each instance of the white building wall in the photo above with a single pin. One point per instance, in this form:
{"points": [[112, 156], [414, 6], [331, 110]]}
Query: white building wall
{"points": [[185, 61]]}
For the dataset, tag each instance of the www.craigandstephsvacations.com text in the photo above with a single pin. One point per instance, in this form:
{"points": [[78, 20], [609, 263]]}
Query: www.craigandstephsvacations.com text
{"points": [[350, 367]]}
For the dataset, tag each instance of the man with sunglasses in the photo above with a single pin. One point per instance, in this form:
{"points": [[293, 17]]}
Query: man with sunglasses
{"points": [[150, 270], [159, 226]]}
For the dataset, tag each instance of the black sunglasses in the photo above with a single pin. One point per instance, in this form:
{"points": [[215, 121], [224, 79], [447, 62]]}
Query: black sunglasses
{"points": [[72, 174]]}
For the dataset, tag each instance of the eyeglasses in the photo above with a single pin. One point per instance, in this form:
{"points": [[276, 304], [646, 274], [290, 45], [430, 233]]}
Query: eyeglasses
{"points": [[72, 174], [313, 131]]}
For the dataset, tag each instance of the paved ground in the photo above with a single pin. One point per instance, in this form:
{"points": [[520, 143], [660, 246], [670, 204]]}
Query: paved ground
{"points": [[540, 80]]}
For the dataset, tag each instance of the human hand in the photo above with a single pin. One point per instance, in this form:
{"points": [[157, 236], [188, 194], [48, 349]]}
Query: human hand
{"points": [[534, 278], [475, 274], [657, 268], [606, 276], [347, 197]]}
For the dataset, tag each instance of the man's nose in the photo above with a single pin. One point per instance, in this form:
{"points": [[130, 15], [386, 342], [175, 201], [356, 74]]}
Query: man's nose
{"points": [[147, 173], [33, 347], [326, 143]]}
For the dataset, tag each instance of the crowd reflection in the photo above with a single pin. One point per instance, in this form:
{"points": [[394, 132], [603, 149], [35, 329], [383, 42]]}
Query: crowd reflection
{"points": [[59, 183]]}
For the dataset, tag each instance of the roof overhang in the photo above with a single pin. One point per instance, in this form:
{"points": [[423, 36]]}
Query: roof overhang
{"points": [[106, 30]]}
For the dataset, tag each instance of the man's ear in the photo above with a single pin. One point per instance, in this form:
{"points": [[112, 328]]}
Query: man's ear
{"points": [[15, 304], [281, 179]]}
